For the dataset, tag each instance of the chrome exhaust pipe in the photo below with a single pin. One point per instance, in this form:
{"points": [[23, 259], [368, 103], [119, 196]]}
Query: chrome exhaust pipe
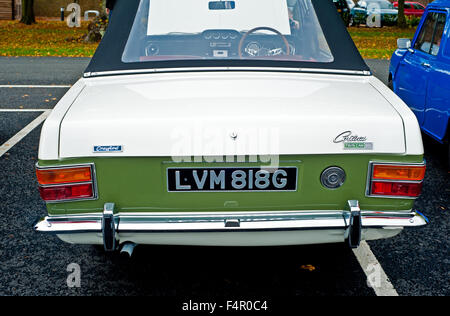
{"points": [[127, 249]]}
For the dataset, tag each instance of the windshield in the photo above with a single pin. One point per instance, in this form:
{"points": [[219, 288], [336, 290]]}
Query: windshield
{"points": [[385, 5], [281, 30], [377, 4]]}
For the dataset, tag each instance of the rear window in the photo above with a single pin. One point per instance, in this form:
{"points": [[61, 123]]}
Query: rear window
{"points": [[281, 30]]}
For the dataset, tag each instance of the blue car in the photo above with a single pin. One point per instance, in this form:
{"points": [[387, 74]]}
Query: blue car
{"points": [[419, 72]]}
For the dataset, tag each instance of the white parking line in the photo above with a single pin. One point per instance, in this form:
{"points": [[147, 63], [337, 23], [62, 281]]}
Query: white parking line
{"points": [[376, 277], [24, 132], [24, 110], [35, 86]]}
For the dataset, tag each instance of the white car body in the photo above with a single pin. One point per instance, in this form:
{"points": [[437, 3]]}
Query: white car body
{"points": [[125, 110], [181, 133], [93, 112]]}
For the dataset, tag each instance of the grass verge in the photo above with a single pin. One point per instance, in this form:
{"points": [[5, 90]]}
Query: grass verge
{"points": [[54, 38], [45, 38], [378, 43]]}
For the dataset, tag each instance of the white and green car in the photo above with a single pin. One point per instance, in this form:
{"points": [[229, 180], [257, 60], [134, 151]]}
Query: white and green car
{"points": [[228, 123]]}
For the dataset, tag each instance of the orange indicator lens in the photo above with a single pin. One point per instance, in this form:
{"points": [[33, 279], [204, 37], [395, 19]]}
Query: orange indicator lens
{"points": [[68, 175], [393, 172]]}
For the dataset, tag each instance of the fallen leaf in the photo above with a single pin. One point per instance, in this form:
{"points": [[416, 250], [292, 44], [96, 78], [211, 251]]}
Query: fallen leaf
{"points": [[308, 267]]}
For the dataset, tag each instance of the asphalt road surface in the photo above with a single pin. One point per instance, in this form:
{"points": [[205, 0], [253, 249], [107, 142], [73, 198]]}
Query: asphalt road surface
{"points": [[416, 262]]}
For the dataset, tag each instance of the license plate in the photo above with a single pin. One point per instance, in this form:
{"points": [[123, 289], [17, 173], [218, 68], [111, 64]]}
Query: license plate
{"points": [[230, 179]]}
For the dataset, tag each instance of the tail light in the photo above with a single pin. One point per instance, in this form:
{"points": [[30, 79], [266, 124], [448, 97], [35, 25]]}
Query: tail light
{"points": [[57, 184], [395, 180]]}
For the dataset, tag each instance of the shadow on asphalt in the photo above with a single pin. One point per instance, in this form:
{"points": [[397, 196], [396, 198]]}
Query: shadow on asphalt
{"points": [[438, 151], [235, 271]]}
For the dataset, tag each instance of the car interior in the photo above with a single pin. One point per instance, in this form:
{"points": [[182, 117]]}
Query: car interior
{"points": [[288, 30]]}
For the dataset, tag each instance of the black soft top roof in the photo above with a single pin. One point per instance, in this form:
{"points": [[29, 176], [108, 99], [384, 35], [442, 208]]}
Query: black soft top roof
{"points": [[108, 57]]}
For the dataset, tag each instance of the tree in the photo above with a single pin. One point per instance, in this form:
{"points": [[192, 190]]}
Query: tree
{"points": [[401, 14], [28, 12]]}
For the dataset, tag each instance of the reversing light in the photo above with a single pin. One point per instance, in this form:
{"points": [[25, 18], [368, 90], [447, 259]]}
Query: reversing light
{"points": [[396, 180], [66, 183]]}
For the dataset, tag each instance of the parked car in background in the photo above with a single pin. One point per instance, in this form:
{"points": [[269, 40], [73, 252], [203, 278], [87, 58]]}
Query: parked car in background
{"points": [[374, 13], [412, 8], [351, 4], [344, 10], [420, 71]]}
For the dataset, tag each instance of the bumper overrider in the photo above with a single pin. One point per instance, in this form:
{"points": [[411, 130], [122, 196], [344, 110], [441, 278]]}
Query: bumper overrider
{"points": [[230, 228]]}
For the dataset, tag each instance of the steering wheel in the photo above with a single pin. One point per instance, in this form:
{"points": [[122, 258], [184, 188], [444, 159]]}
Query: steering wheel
{"points": [[263, 28]]}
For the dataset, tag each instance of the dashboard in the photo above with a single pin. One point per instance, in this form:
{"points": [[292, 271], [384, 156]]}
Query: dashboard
{"points": [[222, 43], [217, 44]]}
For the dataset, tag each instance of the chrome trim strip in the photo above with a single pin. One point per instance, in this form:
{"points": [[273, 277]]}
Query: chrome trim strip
{"points": [[355, 225], [109, 227], [395, 181], [212, 222], [209, 69]]}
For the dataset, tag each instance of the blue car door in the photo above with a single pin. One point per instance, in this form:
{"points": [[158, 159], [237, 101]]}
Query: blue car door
{"points": [[438, 93], [414, 69]]}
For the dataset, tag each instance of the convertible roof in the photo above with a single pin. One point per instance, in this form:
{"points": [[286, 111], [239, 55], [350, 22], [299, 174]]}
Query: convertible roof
{"points": [[108, 57]]}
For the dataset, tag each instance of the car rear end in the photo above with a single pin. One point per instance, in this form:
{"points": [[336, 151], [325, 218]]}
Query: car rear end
{"points": [[234, 127], [341, 171], [375, 202]]}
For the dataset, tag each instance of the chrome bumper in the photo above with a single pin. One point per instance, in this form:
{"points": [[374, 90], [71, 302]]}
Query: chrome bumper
{"points": [[113, 225]]}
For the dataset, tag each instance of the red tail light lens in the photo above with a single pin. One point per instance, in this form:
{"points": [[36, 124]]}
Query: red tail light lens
{"points": [[396, 188], [66, 192], [396, 180], [58, 184]]}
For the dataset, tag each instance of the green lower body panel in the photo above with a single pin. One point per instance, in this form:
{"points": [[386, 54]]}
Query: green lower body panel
{"points": [[140, 185]]}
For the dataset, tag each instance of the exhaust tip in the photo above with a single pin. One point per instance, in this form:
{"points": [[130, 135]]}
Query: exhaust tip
{"points": [[127, 249]]}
